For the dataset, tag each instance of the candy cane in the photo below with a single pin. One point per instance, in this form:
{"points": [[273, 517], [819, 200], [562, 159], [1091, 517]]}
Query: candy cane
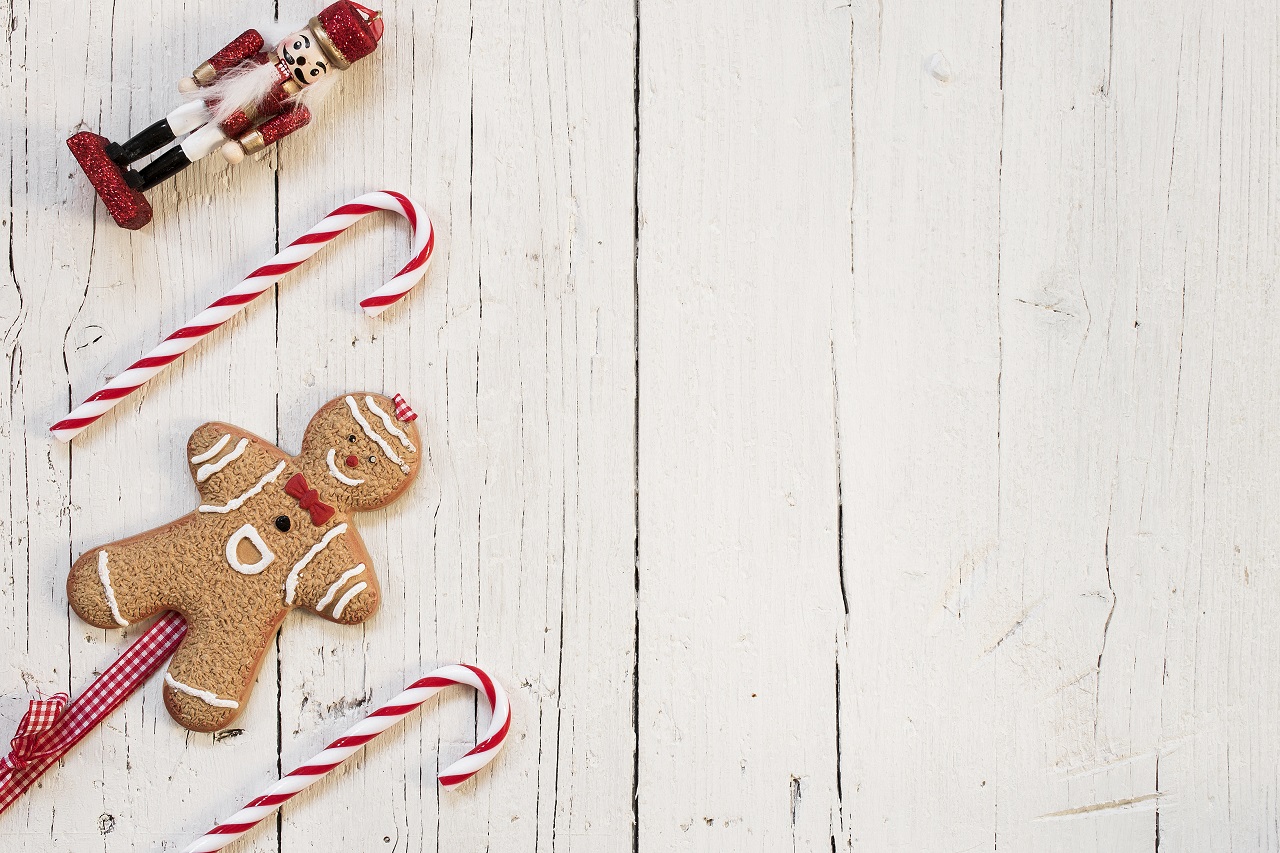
{"points": [[361, 733], [291, 257]]}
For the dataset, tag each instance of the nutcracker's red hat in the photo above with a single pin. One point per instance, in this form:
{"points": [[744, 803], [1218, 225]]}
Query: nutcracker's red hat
{"points": [[347, 32]]}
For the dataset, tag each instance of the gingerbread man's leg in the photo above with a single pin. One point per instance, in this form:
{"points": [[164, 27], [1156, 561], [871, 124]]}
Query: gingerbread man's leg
{"points": [[209, 678]]}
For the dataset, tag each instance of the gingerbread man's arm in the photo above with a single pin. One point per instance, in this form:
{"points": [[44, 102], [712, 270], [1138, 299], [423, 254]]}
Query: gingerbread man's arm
{"points": [[337, 582], [230, 465], [243, 46]]}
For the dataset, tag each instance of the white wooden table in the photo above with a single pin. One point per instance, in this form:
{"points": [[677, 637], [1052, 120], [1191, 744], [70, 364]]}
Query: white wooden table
{"points": [[850, 427]]}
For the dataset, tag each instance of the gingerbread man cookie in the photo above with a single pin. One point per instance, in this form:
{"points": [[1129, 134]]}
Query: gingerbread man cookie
{"points": [[272, 532]]}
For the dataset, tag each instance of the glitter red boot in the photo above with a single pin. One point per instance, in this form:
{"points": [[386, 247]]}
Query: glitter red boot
{"points": [[126, 205]]}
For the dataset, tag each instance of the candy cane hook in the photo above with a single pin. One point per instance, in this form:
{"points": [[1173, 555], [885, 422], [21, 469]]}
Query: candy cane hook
{"points": [[291, 257], [361, 733]]}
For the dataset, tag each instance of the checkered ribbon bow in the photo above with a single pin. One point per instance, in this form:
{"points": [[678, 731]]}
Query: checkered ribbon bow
{"points": [[40, 717], [52, 726]]}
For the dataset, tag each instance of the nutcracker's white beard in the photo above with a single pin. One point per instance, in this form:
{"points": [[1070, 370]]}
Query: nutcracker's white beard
{"points": [[313, 94], [250, 83]]}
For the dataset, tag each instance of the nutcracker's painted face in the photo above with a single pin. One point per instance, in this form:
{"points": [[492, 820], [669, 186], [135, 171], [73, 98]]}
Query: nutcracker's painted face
{"points": [[304, 57]]}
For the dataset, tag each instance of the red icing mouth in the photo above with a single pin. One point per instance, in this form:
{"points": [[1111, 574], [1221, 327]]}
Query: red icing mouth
{"points": [[352, 461]]}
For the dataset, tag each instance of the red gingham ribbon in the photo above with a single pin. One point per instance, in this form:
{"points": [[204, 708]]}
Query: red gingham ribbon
{"points": [[51, 726], [404, 414], [40, 717]]}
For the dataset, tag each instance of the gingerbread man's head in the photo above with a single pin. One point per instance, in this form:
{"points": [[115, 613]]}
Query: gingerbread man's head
{"points": [[364, 447]]}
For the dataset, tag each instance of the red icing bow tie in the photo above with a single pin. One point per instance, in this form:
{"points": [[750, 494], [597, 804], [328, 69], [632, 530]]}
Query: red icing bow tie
{"points": [[40, 717], [308, 499]]}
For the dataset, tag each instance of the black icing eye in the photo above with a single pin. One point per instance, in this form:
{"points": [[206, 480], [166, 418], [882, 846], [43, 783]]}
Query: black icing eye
{"points": [[297, 45], [351, 438], [315, 72], [283, 523], [373, 459]]}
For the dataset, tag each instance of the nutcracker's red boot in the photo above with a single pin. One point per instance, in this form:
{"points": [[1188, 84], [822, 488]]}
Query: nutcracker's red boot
{"points": [[126, 205]]}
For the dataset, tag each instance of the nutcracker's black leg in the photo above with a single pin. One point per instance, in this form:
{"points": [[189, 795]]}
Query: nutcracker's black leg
{"points": [[163, 168], [143, 143]]}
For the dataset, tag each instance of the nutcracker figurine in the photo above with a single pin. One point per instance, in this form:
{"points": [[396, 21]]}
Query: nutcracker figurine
{"points": [[244, 98]]}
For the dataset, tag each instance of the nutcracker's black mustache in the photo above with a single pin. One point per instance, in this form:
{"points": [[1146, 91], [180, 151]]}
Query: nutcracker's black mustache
{"points": [[292, 61], [296, 64]]}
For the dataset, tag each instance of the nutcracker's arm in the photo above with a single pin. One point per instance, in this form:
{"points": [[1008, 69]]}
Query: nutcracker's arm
{"points": [[279, 126], [270, 131], [238, 50]]}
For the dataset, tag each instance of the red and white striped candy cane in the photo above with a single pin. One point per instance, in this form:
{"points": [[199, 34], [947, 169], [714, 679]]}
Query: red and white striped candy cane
{"points": [[291, 257], [364, 731]]}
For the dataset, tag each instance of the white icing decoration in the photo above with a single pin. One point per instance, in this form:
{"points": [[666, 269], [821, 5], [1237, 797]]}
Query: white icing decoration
{"points": [[249, 532], [291, 582], [369, 431], [212, 451], [346, 599], [203, 695], [387, 422], [338, 475], [337, 585], [207, 471], [236, 503], [104, 575]]}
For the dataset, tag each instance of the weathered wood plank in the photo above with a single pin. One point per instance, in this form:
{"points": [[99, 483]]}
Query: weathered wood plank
{"points": [[1076, 685], [917, 362], [744, 208], [94, 297], [514, 127]]}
